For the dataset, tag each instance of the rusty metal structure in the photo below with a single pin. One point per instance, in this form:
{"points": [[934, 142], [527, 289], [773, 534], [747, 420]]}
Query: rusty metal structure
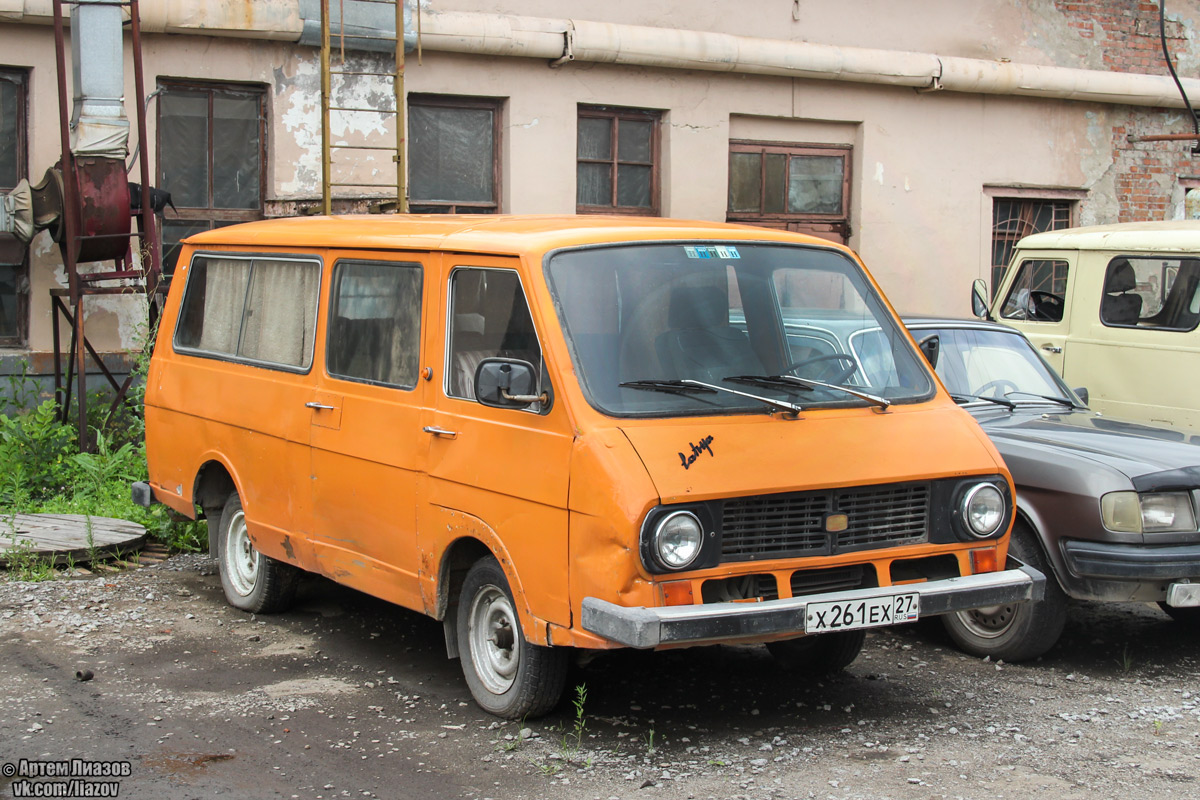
{"points": [[370, 39], [92, 194]]}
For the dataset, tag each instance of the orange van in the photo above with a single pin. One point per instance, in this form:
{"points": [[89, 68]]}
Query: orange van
{"points": [[571, 432]]}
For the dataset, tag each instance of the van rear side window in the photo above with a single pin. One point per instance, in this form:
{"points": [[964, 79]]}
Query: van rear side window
{"points": [[375, 323], [244, 308]]}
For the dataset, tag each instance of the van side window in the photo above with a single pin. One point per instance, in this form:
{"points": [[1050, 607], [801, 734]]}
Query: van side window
{"points": [[253, 309], [1038, 292], [489, 318], [1160, 293], [375, 323]]}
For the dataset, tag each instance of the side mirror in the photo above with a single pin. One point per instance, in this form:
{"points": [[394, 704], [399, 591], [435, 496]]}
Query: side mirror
{"points": [[507, 383], [1082, 394], [979, 299], [931, 346]]}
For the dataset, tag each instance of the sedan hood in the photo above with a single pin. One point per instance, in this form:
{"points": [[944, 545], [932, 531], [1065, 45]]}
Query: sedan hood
{"points": [[710, 457], [1063, 439]]}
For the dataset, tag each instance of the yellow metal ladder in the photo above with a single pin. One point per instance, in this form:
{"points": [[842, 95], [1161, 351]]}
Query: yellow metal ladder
{"points": [[345, 77]]}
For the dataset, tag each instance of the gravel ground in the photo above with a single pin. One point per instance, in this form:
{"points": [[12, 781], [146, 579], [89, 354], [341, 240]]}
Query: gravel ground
{"points": [[347, 696]]}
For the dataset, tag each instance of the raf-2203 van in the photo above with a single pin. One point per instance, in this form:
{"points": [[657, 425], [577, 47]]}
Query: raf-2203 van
{"points": [[560, 433]]}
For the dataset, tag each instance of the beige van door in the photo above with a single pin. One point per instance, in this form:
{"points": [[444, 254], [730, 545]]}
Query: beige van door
{"points": [[1036, 298], [367, 447]]}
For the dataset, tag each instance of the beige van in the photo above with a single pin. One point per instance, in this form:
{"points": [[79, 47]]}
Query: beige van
{"points": [[1113, 308]]}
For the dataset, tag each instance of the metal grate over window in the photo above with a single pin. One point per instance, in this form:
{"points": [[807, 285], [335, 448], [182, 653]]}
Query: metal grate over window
{"points": [[793, 525]]}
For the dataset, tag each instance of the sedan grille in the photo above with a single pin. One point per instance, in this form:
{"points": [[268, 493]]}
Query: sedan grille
{"points": [[793, 525]]}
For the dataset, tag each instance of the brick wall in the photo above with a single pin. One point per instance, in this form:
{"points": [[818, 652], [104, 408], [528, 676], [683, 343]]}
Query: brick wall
{"points": [[1127, 36]]}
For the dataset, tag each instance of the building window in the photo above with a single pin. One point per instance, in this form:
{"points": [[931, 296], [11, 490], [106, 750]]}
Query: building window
{"points": [[453, 155], [802, 188], [1014, 218], [211, 158], [13, 167], [617, 161]]}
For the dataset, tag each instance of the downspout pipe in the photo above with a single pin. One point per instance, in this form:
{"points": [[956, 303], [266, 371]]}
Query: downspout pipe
{"points": [[634, 45]]}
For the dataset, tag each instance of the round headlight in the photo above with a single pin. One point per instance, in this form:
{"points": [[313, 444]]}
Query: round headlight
{"points": [[983, 510], [677, 540]]}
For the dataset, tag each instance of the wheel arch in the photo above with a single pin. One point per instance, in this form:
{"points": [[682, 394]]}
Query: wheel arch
{"points": [[456, 560], [213, 484]]}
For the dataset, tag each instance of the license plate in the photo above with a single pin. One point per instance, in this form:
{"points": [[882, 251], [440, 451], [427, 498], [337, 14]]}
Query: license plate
{"points": [[847, 615]]}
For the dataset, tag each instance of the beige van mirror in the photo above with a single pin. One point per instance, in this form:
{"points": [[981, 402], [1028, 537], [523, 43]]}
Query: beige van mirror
{"points": [[979, 301]]}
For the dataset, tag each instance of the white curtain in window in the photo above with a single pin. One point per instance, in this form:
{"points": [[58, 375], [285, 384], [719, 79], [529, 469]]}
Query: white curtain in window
{"points": [[280, 310], [224, 295]]}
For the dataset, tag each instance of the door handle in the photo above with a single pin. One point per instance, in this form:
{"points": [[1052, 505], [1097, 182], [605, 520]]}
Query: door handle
{"points": [[319, 406], [440, 432], [1051, 348]]}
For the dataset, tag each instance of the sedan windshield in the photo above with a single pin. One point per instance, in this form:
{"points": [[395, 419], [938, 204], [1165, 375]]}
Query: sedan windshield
{"points": [[703, 328], [977, 364]]}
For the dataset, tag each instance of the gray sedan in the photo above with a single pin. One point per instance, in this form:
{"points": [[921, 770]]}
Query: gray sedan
{"points": [[1107, 509]]}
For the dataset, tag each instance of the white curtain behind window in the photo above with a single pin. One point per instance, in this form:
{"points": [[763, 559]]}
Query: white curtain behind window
{"points": [[280, 310], [224, 296]]}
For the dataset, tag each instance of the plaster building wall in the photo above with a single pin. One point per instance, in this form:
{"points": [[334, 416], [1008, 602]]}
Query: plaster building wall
{"points": [[925, 166]]}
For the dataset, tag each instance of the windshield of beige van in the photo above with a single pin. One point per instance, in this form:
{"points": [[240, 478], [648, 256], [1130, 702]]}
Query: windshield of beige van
{"points": [[721, 327]]}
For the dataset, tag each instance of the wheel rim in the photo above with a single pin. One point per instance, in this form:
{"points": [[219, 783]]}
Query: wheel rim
{"points": [[989, 623], [241, 559], [494, 642]]}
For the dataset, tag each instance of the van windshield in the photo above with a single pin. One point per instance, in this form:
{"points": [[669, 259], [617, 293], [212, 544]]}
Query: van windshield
{"points": [[686, 328]]}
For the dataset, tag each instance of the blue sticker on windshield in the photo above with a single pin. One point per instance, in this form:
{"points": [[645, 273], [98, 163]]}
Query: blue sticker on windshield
{"points": [[718, 251]]}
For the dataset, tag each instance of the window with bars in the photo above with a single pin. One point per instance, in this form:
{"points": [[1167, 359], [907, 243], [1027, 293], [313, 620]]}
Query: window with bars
{"points": [[1015, 218], [211, 158], [802, 188], [453, 155], [617, 161], [13, 167]]}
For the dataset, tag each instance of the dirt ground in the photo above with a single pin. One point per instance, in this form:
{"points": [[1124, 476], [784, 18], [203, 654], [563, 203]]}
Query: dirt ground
{"points": [[347, 696]]}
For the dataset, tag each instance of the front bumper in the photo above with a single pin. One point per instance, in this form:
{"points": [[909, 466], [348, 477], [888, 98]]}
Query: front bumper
{"points": [[1132, 562], [646, 628]]}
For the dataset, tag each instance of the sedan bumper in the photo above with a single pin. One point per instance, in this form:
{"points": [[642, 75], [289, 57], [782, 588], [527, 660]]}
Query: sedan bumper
{"points": [[646, 628], [1130, 562]]}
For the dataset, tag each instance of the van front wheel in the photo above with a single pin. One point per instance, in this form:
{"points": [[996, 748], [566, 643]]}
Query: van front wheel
{"points": [[508, 676], [252, 582]]}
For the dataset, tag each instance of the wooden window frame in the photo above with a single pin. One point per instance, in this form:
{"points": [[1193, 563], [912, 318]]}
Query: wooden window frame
{"points": [[210, 212], [792, 219], [13, 252], [615, 115], [495, 105]]}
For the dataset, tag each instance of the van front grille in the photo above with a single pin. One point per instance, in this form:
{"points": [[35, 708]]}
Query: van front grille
{"points": [[793, 525]]}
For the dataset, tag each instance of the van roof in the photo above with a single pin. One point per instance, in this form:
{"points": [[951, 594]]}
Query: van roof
{"points": [[1125, 237], [476, 233]]}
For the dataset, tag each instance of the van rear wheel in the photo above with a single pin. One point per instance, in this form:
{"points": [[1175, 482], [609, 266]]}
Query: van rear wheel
{"points": [[507, 676], [252, 582]]}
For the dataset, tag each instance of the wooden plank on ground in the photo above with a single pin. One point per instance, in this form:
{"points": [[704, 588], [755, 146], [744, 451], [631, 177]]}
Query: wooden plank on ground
{"points": [[60, 537]]}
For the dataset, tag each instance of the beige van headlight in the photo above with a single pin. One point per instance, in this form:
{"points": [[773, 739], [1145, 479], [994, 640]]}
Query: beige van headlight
{"points": [[677, 540], [1158, 512], [983, 510]]}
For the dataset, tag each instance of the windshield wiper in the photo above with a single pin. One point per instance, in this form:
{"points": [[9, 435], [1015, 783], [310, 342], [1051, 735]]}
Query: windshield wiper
{"points": [[807, 384], [1000, 401], [1050, 397], [688, 386]]}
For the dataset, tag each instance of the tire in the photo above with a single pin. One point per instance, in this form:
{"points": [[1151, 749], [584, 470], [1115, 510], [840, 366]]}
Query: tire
{"points": [[252, 582], [1189, 615], [1019, 631], [821, 654], [507, 676]]}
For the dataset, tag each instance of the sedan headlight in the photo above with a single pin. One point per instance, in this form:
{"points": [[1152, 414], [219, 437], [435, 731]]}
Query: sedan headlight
{"points": [[677, 540], [1161, 512], [983, 509]]}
